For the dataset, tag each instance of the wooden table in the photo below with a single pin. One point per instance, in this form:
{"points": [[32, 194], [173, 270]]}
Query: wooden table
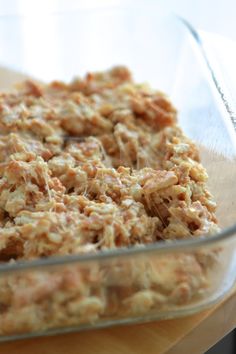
{"points": [[193, 334]]}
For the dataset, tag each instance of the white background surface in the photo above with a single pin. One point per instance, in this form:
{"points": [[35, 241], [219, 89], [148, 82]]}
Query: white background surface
{"points": [[217, 16], [212, 15]]}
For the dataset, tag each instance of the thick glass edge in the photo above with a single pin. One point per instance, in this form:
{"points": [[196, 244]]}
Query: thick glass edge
{"points": [[219, 88], [162, 246]]}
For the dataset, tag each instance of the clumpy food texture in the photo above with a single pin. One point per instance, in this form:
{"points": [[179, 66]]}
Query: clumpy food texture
{"points": [[96, 164]]}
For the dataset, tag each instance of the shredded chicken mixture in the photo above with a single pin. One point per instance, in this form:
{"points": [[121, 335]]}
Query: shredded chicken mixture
{"points": [[96, 164]]}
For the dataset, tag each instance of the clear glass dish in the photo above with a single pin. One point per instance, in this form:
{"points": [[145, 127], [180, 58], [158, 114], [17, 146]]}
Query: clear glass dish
{"points": [[162, 280]]}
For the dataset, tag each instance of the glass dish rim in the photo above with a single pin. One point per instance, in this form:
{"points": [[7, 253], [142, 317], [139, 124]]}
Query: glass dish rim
{"points": [[160, 247]]}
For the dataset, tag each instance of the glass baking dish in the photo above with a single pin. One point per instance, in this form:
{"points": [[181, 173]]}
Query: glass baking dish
{"points": [[136, 284]]}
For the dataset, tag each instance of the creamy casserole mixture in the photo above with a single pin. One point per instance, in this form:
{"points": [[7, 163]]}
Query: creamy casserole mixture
{"points": [[96, 164]]}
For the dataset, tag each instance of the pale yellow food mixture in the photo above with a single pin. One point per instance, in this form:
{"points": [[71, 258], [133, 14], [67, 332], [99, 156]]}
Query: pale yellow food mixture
{"points": [[96, 164]]}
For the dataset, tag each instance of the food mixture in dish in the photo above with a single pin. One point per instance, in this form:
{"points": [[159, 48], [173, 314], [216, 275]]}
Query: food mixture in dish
{"points": [[96, 164]]}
